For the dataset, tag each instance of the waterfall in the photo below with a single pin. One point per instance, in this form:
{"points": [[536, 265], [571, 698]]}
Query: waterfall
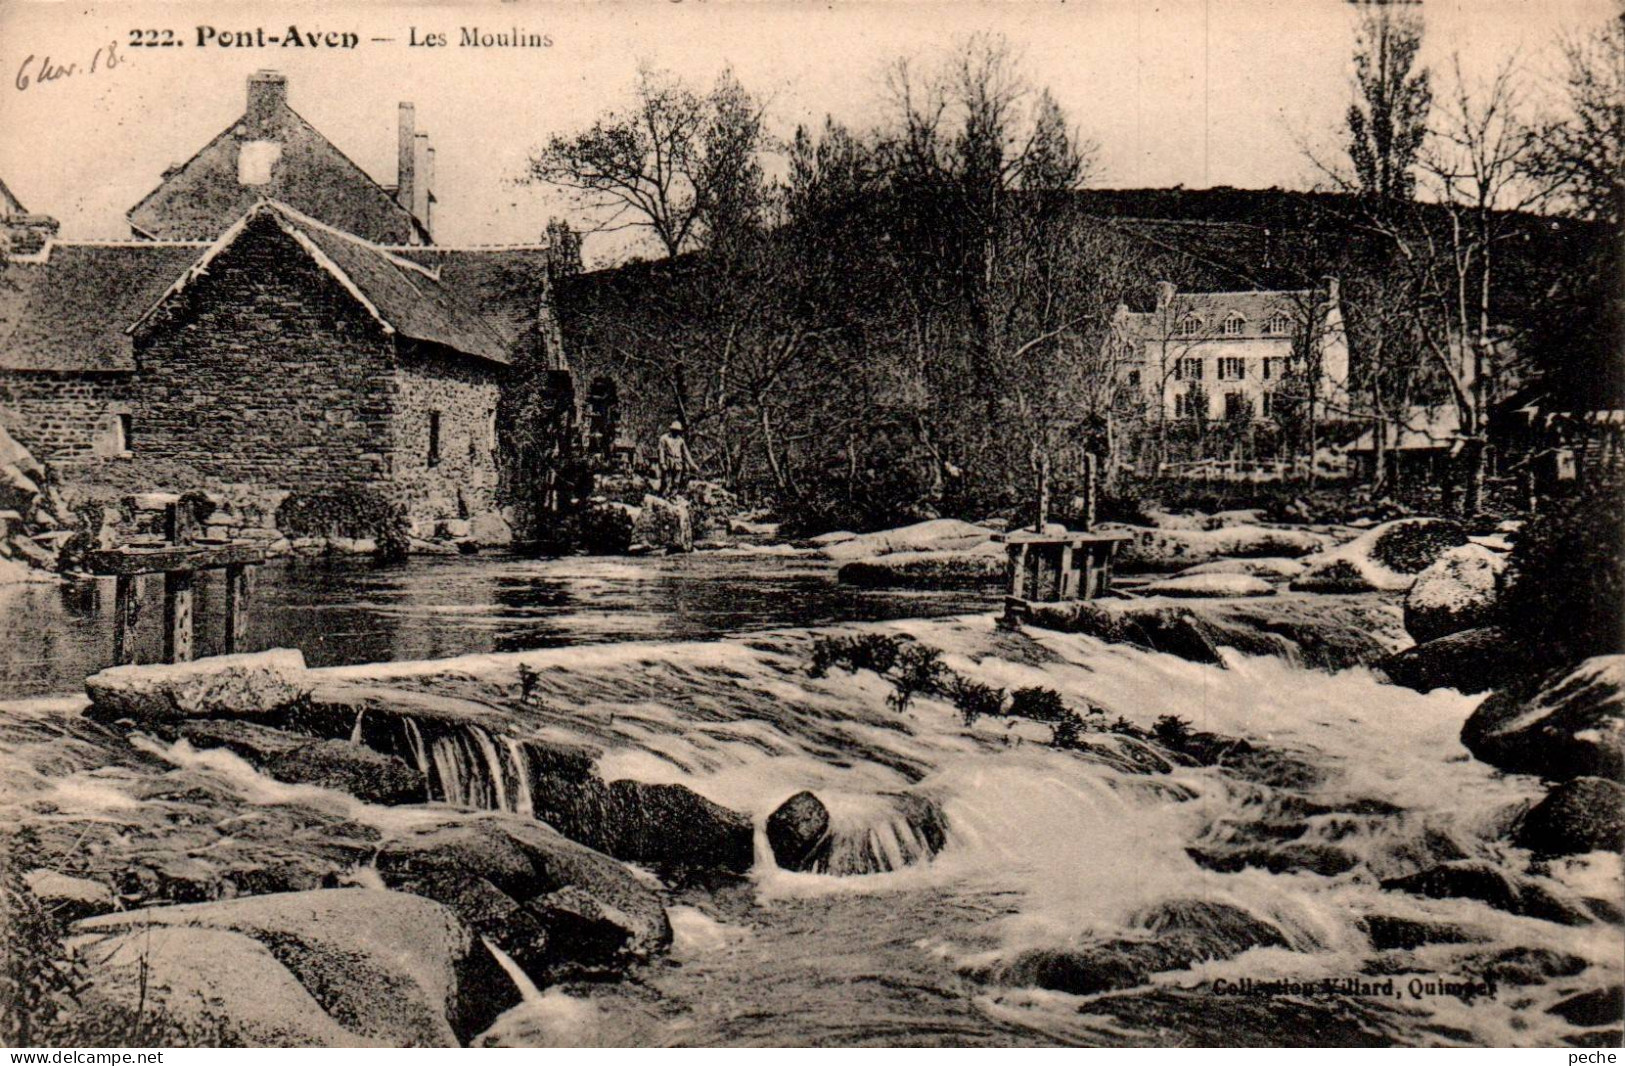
{"points": [[355, 731], [493, 767], [524, 803]]}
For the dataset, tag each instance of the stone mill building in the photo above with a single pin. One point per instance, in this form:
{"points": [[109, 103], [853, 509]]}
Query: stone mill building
{"points": [[278, 320]]}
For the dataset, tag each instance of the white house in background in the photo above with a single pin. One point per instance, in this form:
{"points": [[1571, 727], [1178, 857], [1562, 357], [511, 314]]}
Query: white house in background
{"points": [[1225, 355]]}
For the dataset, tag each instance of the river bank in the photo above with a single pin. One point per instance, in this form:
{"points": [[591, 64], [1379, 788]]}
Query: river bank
{"points": [[1056, 866]]}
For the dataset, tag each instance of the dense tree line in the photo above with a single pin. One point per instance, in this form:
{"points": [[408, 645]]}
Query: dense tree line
{"points": [[916, 317]]}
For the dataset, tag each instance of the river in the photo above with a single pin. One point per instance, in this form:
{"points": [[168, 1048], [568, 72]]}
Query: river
{"points": [[348, 610], [694, 671]]}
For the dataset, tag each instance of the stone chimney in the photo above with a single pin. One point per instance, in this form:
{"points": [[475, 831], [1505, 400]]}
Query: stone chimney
{"points": [[427, 181], [405, 161], [1165, 294], [267, 95], [421, 176]]}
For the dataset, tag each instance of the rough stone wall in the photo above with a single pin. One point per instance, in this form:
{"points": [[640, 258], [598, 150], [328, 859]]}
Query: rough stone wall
{"points": [[265, 371], [463, 480], [64, 416]]}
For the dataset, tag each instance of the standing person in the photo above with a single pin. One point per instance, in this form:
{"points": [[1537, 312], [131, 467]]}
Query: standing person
{"points": [[676, 461]]}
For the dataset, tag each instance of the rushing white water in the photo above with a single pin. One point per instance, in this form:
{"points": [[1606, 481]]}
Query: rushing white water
{"points": [[1046, 850], [1050, 849]]}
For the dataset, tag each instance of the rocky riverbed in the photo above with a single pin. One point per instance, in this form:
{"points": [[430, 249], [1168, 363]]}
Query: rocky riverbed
{"points": [[592, 845]]}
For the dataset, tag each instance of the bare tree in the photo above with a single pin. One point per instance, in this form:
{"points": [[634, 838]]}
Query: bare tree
{"points": [[635, 167], [1476, 164], [1579, 145]]}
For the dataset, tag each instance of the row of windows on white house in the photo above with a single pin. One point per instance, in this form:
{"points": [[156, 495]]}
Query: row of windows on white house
{"points": [[1227, 368], [1238, 406], [1233, 325]]}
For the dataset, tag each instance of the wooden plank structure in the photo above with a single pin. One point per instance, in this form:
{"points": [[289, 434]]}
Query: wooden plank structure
{"points": [[179, 561], [1057, 568]]}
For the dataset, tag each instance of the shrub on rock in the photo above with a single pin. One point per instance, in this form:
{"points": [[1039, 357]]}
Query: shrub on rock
{"points": [[221, 686], [1566, 580], [1572, 725], [1387, 558], [1458, 591], [1580, 815], [972, 568]]}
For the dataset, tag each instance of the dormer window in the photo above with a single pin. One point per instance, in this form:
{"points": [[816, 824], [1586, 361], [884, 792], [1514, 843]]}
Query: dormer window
{"points": [[1234, 324], [1278, 325], [1189, 326]]}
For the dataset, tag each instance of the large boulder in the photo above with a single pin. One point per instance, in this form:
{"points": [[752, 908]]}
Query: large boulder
{"points": [[1387, 558], [1174, 936], [798, 832], [489, 529], [663, 523], [206, 987], [347, 767], [254, 743], [1209, 586], [1457, 592], [1474, 660], [394, 969], [221, 686], [1266, 567], [1580, 815], [1573, 725], [668, 826], [553, 905], [938, 534], [971, 568], [1162, 550], [69, 898], [1489, 884]]}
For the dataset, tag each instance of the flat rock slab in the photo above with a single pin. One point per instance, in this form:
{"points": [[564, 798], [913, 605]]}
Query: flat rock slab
{"points": [[1210, 586], [221, 686]]}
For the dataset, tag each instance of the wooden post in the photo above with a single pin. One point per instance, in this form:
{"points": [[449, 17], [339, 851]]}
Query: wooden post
{"points": [[236, 608], [1091, 491], [178, 616], [126, 612]]}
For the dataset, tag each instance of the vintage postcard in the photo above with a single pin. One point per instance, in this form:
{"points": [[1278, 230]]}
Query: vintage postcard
{"points": [[890, 524]]}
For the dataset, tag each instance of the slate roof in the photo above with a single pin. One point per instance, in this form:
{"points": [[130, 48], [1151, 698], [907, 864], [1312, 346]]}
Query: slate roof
{"points": [[1213, 308], [405, 297], [66, 308], [203, 197], [507, 283]]}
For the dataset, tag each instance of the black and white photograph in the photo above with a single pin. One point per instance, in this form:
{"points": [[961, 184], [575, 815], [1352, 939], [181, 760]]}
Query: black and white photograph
{"points": [[889, 524]]}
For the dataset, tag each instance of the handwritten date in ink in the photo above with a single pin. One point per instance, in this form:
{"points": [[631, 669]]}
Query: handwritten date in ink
{"points": [[41, 70]]}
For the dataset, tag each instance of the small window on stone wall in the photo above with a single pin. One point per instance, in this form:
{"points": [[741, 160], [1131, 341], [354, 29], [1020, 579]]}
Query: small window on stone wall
{"points": [[125, 428], [434, 438], [255, 160]]}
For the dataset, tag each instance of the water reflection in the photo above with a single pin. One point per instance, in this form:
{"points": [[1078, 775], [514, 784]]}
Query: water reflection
{"points": [[350, 611]]}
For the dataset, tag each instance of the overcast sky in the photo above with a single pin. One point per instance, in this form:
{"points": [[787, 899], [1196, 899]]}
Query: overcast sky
{"points": [[1177, 92]]}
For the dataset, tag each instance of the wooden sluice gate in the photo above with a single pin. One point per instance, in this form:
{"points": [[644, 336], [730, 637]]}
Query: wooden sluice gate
{"points": [[180, 559], [1056, 568]]}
